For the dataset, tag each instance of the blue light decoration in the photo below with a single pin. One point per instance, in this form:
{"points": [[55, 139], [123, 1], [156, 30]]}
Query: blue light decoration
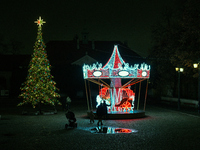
{"points": [[119, 97]]}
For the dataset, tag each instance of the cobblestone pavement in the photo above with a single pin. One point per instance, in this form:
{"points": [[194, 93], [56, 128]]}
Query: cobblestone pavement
{"points": [[161, 129]]}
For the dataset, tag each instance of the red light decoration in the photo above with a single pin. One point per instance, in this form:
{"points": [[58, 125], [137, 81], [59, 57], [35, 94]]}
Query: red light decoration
{"points": [[125, 103], [121, 130], [120, 97]]}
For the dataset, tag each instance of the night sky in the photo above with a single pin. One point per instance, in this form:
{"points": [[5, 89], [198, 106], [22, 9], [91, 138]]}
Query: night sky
{"points": [[121, 20]]}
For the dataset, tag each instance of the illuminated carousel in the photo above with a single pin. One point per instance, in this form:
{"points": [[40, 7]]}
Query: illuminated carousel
{"points": [[120, 98]]}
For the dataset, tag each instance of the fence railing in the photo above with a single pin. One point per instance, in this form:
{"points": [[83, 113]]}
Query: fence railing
{"points": [[184, 102]]}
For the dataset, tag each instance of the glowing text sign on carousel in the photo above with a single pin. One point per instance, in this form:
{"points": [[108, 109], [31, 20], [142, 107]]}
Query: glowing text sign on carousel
{"points": [[116, 69]]}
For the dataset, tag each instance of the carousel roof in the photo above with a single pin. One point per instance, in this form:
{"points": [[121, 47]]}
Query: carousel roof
{"points": [[115, 68], [115, 60]]}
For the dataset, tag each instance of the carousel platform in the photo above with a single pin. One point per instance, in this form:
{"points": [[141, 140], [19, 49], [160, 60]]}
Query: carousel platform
{"points": [[124, 115]]}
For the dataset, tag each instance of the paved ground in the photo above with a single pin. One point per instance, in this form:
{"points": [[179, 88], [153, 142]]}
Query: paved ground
{"points": [[161, 129]]}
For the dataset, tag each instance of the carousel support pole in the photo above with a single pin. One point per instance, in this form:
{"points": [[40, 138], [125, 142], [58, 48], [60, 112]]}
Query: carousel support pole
{"points": [[139, 97], [99, 85], [90, 96], [104, 83], [87, 95], [146, 94]]}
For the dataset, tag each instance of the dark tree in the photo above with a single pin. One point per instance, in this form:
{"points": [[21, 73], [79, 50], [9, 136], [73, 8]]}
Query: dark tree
{"points": [[176, 43]]}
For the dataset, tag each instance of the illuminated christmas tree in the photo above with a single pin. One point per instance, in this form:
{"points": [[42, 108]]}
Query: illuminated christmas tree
{"points": [[39, 87]]}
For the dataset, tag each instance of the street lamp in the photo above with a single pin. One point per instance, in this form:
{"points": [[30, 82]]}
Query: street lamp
{"points": [[179, 70], [196, 65]]}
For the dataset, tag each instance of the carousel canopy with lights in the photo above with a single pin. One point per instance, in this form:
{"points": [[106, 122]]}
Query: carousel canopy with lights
{"points": [[116, 68]]}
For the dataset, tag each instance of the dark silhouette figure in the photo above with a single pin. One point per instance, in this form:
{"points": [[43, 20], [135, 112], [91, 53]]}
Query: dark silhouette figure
{"points": [[71, 119], [100, 112], [91, 115], [105, 109], [68, 102]]}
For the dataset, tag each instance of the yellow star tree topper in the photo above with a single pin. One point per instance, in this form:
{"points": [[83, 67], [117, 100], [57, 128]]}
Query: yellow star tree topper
{"points": [[40, 22], [39, 87]]}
